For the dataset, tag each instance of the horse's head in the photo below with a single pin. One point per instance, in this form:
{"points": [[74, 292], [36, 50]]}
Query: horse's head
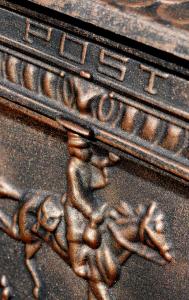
{"points": [[140, 232], [151, 231]]}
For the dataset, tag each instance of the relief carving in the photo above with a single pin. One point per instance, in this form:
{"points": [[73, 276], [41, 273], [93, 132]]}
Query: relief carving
{"points": [[37, 30], [174, 12], [150, 88], [92, 237], [153, 128], [5, 289]]}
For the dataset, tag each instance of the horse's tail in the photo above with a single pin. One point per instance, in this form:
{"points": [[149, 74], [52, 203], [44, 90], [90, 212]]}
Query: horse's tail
{"points": [[7, 190]]}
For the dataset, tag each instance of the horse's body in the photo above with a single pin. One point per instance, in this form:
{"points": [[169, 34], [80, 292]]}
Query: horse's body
{"points": [[40, 217]]}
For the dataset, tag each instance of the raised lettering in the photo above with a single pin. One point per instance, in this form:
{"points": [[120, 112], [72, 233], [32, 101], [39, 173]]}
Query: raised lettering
{"points": [[112, 65], [73, 48], [37, 30], [150, 88]]}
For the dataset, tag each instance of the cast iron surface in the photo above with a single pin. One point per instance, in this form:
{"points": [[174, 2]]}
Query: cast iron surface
{"points": [[34, 179], [138, 106], [94, 150], [162, 24]]}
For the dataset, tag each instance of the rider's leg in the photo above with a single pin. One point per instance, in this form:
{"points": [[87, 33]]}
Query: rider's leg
{"points": [[78, 254]]}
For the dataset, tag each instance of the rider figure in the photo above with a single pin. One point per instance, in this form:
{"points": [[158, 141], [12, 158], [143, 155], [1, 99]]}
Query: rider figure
{"points": [[83, 212]]}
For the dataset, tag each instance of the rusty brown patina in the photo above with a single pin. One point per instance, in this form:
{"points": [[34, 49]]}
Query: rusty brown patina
{"points": [[161, 24], [94, 149]]}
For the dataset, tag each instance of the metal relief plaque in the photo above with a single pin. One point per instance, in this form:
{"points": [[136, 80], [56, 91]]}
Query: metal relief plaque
{"points": [[93, 166]]}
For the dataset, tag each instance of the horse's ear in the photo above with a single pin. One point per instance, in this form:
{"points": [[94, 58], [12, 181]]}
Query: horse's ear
{"points": [[125, 209], [146, 219], [151, 209], [140, 209], [63, 199]]}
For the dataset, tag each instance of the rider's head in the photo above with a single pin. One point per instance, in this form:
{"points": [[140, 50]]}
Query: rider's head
{"points": [[79, 147], [49, 214]]}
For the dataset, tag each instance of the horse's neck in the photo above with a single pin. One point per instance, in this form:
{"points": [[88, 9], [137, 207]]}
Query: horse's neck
{"points": [[124, 257], [132, 223]]}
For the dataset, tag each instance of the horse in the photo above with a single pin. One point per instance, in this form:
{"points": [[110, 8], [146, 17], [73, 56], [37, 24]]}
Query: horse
{"points": [[40, 218]]}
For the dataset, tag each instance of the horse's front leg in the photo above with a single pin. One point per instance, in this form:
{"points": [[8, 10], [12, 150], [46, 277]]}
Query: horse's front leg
{"points": [[9, 191], [6, 289], [9, 225], [98, 291], [30, 260], [91, 296]]}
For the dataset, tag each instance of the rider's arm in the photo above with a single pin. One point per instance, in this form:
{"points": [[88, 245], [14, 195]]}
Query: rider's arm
{"points": [[104, 162], [76, 190]]}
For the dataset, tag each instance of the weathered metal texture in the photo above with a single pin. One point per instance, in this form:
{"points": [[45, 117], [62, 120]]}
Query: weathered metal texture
{"points": [[121, 108], [33, 157], [94, 140], [162, 24]]}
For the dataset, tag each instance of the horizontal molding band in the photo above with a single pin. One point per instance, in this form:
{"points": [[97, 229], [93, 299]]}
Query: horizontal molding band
{"points": [[96, 63], [115, 120]]}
